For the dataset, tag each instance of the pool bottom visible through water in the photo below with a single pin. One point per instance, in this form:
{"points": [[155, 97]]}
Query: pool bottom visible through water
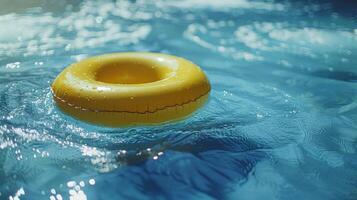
{"points": [[280, 122]]}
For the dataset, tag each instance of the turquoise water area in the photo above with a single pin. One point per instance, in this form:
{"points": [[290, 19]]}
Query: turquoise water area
{"points": [[281, 121]]}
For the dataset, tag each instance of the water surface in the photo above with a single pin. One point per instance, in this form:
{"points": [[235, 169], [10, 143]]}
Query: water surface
{"points": [[281, 122]]}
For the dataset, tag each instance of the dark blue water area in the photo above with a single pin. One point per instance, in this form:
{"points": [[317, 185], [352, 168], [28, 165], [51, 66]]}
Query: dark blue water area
{"points": [[280, 123]]}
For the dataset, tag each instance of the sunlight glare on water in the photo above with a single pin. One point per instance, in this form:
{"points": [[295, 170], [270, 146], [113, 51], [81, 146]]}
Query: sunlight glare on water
{"points": [[281, 121]]}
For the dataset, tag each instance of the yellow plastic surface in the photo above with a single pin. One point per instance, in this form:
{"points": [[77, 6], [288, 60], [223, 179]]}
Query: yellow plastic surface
{"points": [[131, 88]]}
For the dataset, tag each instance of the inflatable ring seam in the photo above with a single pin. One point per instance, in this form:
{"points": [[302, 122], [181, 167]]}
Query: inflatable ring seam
{"points": [[122, 111]]}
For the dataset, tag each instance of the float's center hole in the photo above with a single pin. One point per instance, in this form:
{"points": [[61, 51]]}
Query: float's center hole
{"points": [[131, 72]]}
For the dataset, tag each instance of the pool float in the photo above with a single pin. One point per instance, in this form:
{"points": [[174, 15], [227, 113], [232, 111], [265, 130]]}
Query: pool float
{"points": [[131, 88]]}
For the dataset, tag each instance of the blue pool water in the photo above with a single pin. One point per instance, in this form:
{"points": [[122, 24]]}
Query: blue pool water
{"points": [[281, 121]]}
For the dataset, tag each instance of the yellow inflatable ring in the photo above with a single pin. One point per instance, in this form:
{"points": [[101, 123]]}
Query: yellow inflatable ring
{"points": [[131, 88]]}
